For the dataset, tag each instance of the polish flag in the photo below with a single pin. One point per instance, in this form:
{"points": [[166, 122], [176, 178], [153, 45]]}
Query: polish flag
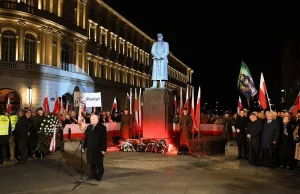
{"points": [[193, 112], [187, 100], [240, 106], [115, 105], [140, 108], [198, 111], [136, 108], [56, 109], [262, 93], [8, 106], [294, 109], [175, 103], [53, 141], [46, 105], [181, 102]]}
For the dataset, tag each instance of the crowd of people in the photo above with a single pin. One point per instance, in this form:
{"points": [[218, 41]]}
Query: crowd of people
{"points": [[265, 138]]}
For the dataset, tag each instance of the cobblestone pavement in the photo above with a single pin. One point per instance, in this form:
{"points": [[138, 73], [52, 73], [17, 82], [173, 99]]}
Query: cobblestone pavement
{"points": [[145, 173]]}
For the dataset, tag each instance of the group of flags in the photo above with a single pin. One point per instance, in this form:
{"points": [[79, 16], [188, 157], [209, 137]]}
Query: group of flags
{"points": [[190, 106], [135, 106], [247, 88]]}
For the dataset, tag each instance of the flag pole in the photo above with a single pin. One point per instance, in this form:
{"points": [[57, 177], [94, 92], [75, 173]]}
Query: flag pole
{"points": [[269, 100]]}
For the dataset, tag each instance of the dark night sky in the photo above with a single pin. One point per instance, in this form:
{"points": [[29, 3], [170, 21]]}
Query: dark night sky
{"points": [[214, 41]]}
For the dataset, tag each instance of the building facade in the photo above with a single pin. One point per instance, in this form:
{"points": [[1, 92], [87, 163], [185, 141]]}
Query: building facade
{"points": [[55, 47]]}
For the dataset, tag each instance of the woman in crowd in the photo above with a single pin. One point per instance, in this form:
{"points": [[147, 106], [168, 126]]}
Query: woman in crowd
{"points": [[297, 152], [286, 143]]}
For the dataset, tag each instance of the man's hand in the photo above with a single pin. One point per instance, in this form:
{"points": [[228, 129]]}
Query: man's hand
{"points": [[274, 142], [249, 136], [82, 150], [238, 130], [103, 152], [28, 133]]}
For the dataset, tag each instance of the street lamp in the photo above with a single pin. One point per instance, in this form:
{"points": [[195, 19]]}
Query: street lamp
{"points": [[29, 97]]}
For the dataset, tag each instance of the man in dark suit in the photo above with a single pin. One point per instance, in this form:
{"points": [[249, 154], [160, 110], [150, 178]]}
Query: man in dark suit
{"points": [[254, 130], [270, 137], [241, 136], [95, 142]]}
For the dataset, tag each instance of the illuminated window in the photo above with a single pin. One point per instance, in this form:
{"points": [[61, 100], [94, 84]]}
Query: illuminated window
{"points": [[30, 49], [8, 46], [65, 58]]}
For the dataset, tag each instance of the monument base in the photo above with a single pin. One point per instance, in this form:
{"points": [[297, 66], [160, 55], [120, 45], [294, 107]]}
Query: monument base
{"points": [[158, 113]]}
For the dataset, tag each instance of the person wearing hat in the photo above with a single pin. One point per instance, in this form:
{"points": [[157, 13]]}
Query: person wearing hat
{"points": [[185, 123], [126, 125], [227, 130]]}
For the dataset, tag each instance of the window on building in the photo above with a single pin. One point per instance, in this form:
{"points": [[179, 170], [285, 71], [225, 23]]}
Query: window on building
{"points": [[65, 58], [8, 46], [121, 76], [30, 49], [113, 74], [91, 68], [103, 71]]}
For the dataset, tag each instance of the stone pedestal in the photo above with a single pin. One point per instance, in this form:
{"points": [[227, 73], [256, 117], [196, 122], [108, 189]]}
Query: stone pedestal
{"points": [[158, 113]]}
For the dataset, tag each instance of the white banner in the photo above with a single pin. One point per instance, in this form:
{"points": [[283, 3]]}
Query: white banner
{"points": [[89, 99]]}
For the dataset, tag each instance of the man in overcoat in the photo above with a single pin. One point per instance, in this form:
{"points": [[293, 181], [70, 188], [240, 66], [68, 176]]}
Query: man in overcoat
{"points": [[241, 136], [95, 142]]}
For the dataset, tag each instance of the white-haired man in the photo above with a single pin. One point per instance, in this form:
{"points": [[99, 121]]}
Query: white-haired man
{"points": [[95, 142]]}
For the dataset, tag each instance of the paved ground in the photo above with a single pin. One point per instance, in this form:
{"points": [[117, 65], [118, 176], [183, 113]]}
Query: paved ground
{"points": [[145, 173]]}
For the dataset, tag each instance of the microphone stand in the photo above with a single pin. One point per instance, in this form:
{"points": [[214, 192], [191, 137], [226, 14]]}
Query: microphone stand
{"points": [[81, 170]]}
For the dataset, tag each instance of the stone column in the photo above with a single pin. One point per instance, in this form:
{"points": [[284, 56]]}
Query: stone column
{"points": [[78, 13], [48, 51], [50, 6], [40, 4], [43, 47], [17, 48], [21, 42], [58, 51], [59, 8], [84, 16], [77, 57], [38, 52], [83, 58], [100, 68]]}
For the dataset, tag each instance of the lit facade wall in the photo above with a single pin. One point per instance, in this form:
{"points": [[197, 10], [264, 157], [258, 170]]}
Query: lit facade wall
{"points": [[56, 46]]}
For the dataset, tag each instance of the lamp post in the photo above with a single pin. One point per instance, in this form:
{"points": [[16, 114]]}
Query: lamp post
{"points": [[29, 97]]}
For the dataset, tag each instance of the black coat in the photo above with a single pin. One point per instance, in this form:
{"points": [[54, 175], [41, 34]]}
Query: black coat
{"points": [[241, 124], [255, 129], [22, 129], [95, 141], [270, 133], [286, 142]]}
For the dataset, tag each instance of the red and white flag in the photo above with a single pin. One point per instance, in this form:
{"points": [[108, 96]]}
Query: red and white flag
{"points": [[53, 141], [130, 102], [187, 100], [296, 107], [262, 93], [198, 111], [193, 112], [46, 105], [56, 109], [240, 106], [8, 106], [140, 108], [181, 102], [136, 108], [115, 105]]}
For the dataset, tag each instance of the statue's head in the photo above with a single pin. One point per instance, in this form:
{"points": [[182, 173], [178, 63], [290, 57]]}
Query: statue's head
{"points": [[160, 36]]}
